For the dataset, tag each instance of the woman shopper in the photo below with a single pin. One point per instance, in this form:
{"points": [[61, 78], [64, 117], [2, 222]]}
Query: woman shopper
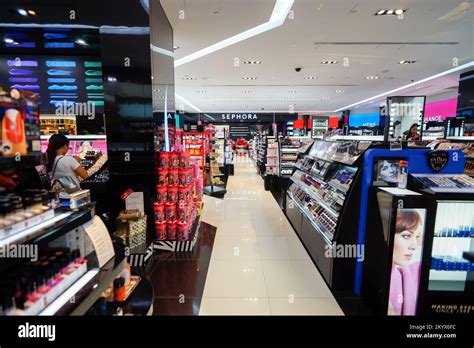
{"points": [[59, 164]]}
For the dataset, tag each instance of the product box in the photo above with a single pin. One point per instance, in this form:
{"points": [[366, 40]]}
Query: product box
{"points": [[131, 227]]}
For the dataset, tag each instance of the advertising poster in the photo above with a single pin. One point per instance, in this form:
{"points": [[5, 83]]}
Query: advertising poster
{"points": [[386, 172], [406, 261]]}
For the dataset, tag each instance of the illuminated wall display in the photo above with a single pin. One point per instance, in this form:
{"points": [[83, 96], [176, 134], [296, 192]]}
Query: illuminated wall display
{"points": [[404, 113]]}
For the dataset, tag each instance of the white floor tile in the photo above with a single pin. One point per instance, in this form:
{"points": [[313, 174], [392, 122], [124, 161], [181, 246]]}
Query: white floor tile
{"points": [[235, 306], [304, 306], [281, 248], [229, 247], [296, 278], [242, 278]]}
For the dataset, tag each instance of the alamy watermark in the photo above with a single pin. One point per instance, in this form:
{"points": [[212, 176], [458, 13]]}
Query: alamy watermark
{"points": [[356, 251], [75, 109], [20, 251]]}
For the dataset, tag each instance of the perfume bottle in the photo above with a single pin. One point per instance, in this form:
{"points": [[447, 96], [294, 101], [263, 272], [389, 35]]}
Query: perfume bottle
{"points": [[403, 175]]}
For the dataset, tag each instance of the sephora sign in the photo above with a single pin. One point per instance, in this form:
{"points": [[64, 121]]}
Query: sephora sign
{"points": [[241, 117]]}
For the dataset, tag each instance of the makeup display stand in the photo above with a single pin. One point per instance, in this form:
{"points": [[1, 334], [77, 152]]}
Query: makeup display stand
{"points": [[321, 203], [187, 245], [86, 289]]}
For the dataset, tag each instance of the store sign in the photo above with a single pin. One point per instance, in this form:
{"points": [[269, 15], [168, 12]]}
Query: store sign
{"points": [[437, 160], [440, 110], [237, 117]]}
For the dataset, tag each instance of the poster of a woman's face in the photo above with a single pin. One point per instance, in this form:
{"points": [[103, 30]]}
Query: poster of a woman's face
{"points": [[406, 261], [387, 171]]}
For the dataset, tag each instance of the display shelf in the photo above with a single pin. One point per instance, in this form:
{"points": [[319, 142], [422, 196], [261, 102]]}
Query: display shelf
{"points": [[84, 292], [313, 175], [62, 222], [318, 199], [310, 217], [62, 301], [107, 274]]}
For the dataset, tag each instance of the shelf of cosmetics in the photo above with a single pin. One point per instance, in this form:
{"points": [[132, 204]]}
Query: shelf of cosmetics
{"points": [[323, 211], [451, 263], [31, 288], [18, 213]]}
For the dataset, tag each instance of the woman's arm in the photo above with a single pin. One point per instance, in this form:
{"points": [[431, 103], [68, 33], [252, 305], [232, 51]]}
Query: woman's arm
{"points": [[81, 172]]}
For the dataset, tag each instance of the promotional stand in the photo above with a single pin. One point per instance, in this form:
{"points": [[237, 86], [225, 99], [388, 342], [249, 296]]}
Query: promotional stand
{"points": [[418, 259]]}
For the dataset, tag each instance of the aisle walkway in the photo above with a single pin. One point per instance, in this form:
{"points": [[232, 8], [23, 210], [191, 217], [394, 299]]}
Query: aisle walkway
{"points": [[258, 265]]}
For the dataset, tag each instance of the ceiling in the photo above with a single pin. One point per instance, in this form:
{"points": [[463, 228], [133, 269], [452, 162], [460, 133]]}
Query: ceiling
{"points": [[437, 34]]}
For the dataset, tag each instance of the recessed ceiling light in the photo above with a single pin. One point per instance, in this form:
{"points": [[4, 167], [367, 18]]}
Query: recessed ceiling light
{"points": [[247, 91], [22, 12], [372, 77], [407, 62], [252, 62], [189, 78], [81, 42], [157, 90], [310, 78], [175, 47], [31, 13], [8, 40], [249, 78], [339, 91], [329, 62], [396, 12], [292, 91], [325, 98], [200, 92], [111, 79]]}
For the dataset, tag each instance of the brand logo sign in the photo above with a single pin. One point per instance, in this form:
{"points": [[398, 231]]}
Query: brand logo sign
{"points": [[238, 117], [437, 160]]}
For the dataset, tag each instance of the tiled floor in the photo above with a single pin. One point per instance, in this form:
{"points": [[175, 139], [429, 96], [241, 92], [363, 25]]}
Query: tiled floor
{"points": [[258, 265]]}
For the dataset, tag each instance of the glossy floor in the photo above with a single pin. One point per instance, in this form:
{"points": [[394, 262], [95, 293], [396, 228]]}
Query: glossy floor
{"points": [[258, 265]]}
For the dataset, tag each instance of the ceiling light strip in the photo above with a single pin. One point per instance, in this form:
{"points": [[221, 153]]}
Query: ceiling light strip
{"points": [[444, 73], [280, 11], [161, 50]]}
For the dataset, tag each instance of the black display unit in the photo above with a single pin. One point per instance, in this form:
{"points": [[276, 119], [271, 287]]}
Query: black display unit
{"points": [[321, 204]]}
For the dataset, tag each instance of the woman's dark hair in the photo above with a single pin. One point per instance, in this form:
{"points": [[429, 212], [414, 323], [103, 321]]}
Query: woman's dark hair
{"points": [[413, 125], [407, 220], [55, 142]]}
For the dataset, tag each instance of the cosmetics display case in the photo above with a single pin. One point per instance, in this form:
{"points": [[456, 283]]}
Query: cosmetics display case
{"points": [[417, 257], [272, 162], [289, 149], [65, 267], [260, 152], [321, 202]]}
